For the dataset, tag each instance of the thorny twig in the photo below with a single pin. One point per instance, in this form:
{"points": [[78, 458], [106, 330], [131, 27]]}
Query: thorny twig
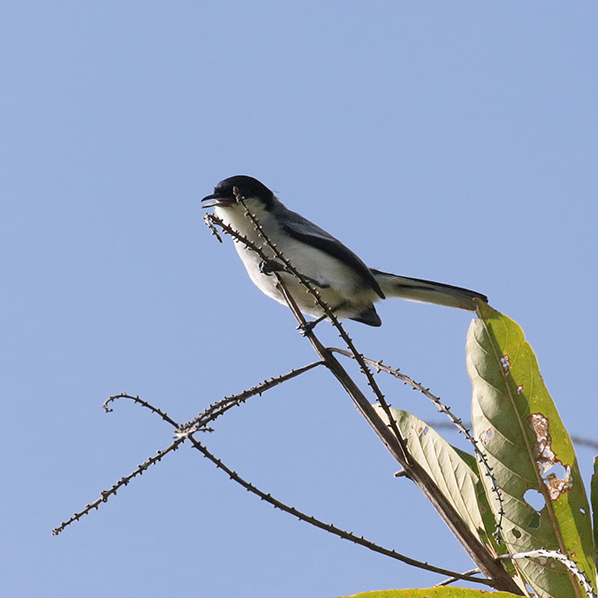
{"points": [[124, 481], [213, 220], [498, 577], [220, 407], [393, 441], [105, 494], [332, 528], [139, 401], [331, 316], [198, 424], [559, 556], [456, 421], [186, 433], [451, 580]]}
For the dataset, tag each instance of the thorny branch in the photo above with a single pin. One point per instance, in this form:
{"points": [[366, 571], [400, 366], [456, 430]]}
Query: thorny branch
{"points": [[328, 526], [124, 481], [496, 574], [213, 220], [185, 432], [456, 421], [198, 424], [220, 407], [393, 440], [451, 580], [139, 401], [329, 314], [559, 556]]}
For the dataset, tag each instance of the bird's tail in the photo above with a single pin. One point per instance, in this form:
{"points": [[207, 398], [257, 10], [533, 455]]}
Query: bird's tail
{"points": [[426, 291]]}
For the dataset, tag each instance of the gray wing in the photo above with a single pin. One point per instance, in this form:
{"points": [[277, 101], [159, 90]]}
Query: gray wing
{"points": [[307, 232]]}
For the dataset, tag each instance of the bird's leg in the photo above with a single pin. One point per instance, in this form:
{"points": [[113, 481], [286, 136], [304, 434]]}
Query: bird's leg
{"points": [[309, 326], [267, 267]]}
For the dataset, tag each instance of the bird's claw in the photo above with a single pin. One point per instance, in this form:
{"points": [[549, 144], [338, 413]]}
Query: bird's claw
{"points": [[306, 327], [267, 267]]}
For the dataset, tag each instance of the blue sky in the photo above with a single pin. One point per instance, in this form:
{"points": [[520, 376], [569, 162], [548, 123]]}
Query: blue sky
{"points": [[450, 141]]}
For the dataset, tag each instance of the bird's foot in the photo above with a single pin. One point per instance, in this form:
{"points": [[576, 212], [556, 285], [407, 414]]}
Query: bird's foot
{"points": [[305, 328], [267, 267], [309, 326]]}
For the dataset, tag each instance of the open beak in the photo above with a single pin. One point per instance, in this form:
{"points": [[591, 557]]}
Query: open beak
{"points": [[215, 200]]}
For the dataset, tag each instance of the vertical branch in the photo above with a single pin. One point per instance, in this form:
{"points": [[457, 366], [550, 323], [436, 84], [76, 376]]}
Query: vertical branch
{"points": [[290, 268], [442, 408], [489, 566]]}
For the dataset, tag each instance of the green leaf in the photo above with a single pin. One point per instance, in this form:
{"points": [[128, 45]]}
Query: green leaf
{"points": [[518, 427], [488, 517], [455, 472], [484, 506], [444, 465], [444, 592]]}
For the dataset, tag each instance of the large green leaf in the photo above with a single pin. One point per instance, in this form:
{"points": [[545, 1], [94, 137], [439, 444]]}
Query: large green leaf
{"points": [[488, 517], [518, 427], [444, 592], [444, 465], [455, 472]]}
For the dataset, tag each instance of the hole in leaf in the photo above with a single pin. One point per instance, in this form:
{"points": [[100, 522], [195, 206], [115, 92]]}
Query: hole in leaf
{"points": [[558, 470], [516, 532], [505, 362], [534, 499], [555, 474], [582, 511], [426, 430], [557, 486], [486, 435]]}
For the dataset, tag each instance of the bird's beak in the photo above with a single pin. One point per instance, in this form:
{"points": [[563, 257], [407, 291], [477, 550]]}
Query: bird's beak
{"points": [[215, 200]]}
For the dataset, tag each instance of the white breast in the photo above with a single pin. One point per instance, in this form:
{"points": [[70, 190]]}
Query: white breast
{"points": [[337, 282]]}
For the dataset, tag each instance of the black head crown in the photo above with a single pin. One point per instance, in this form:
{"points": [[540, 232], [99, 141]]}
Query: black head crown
{"points": [[247, 186]]}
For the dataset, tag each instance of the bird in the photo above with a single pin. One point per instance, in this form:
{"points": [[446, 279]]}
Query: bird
{"points": [[342, 279]]}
